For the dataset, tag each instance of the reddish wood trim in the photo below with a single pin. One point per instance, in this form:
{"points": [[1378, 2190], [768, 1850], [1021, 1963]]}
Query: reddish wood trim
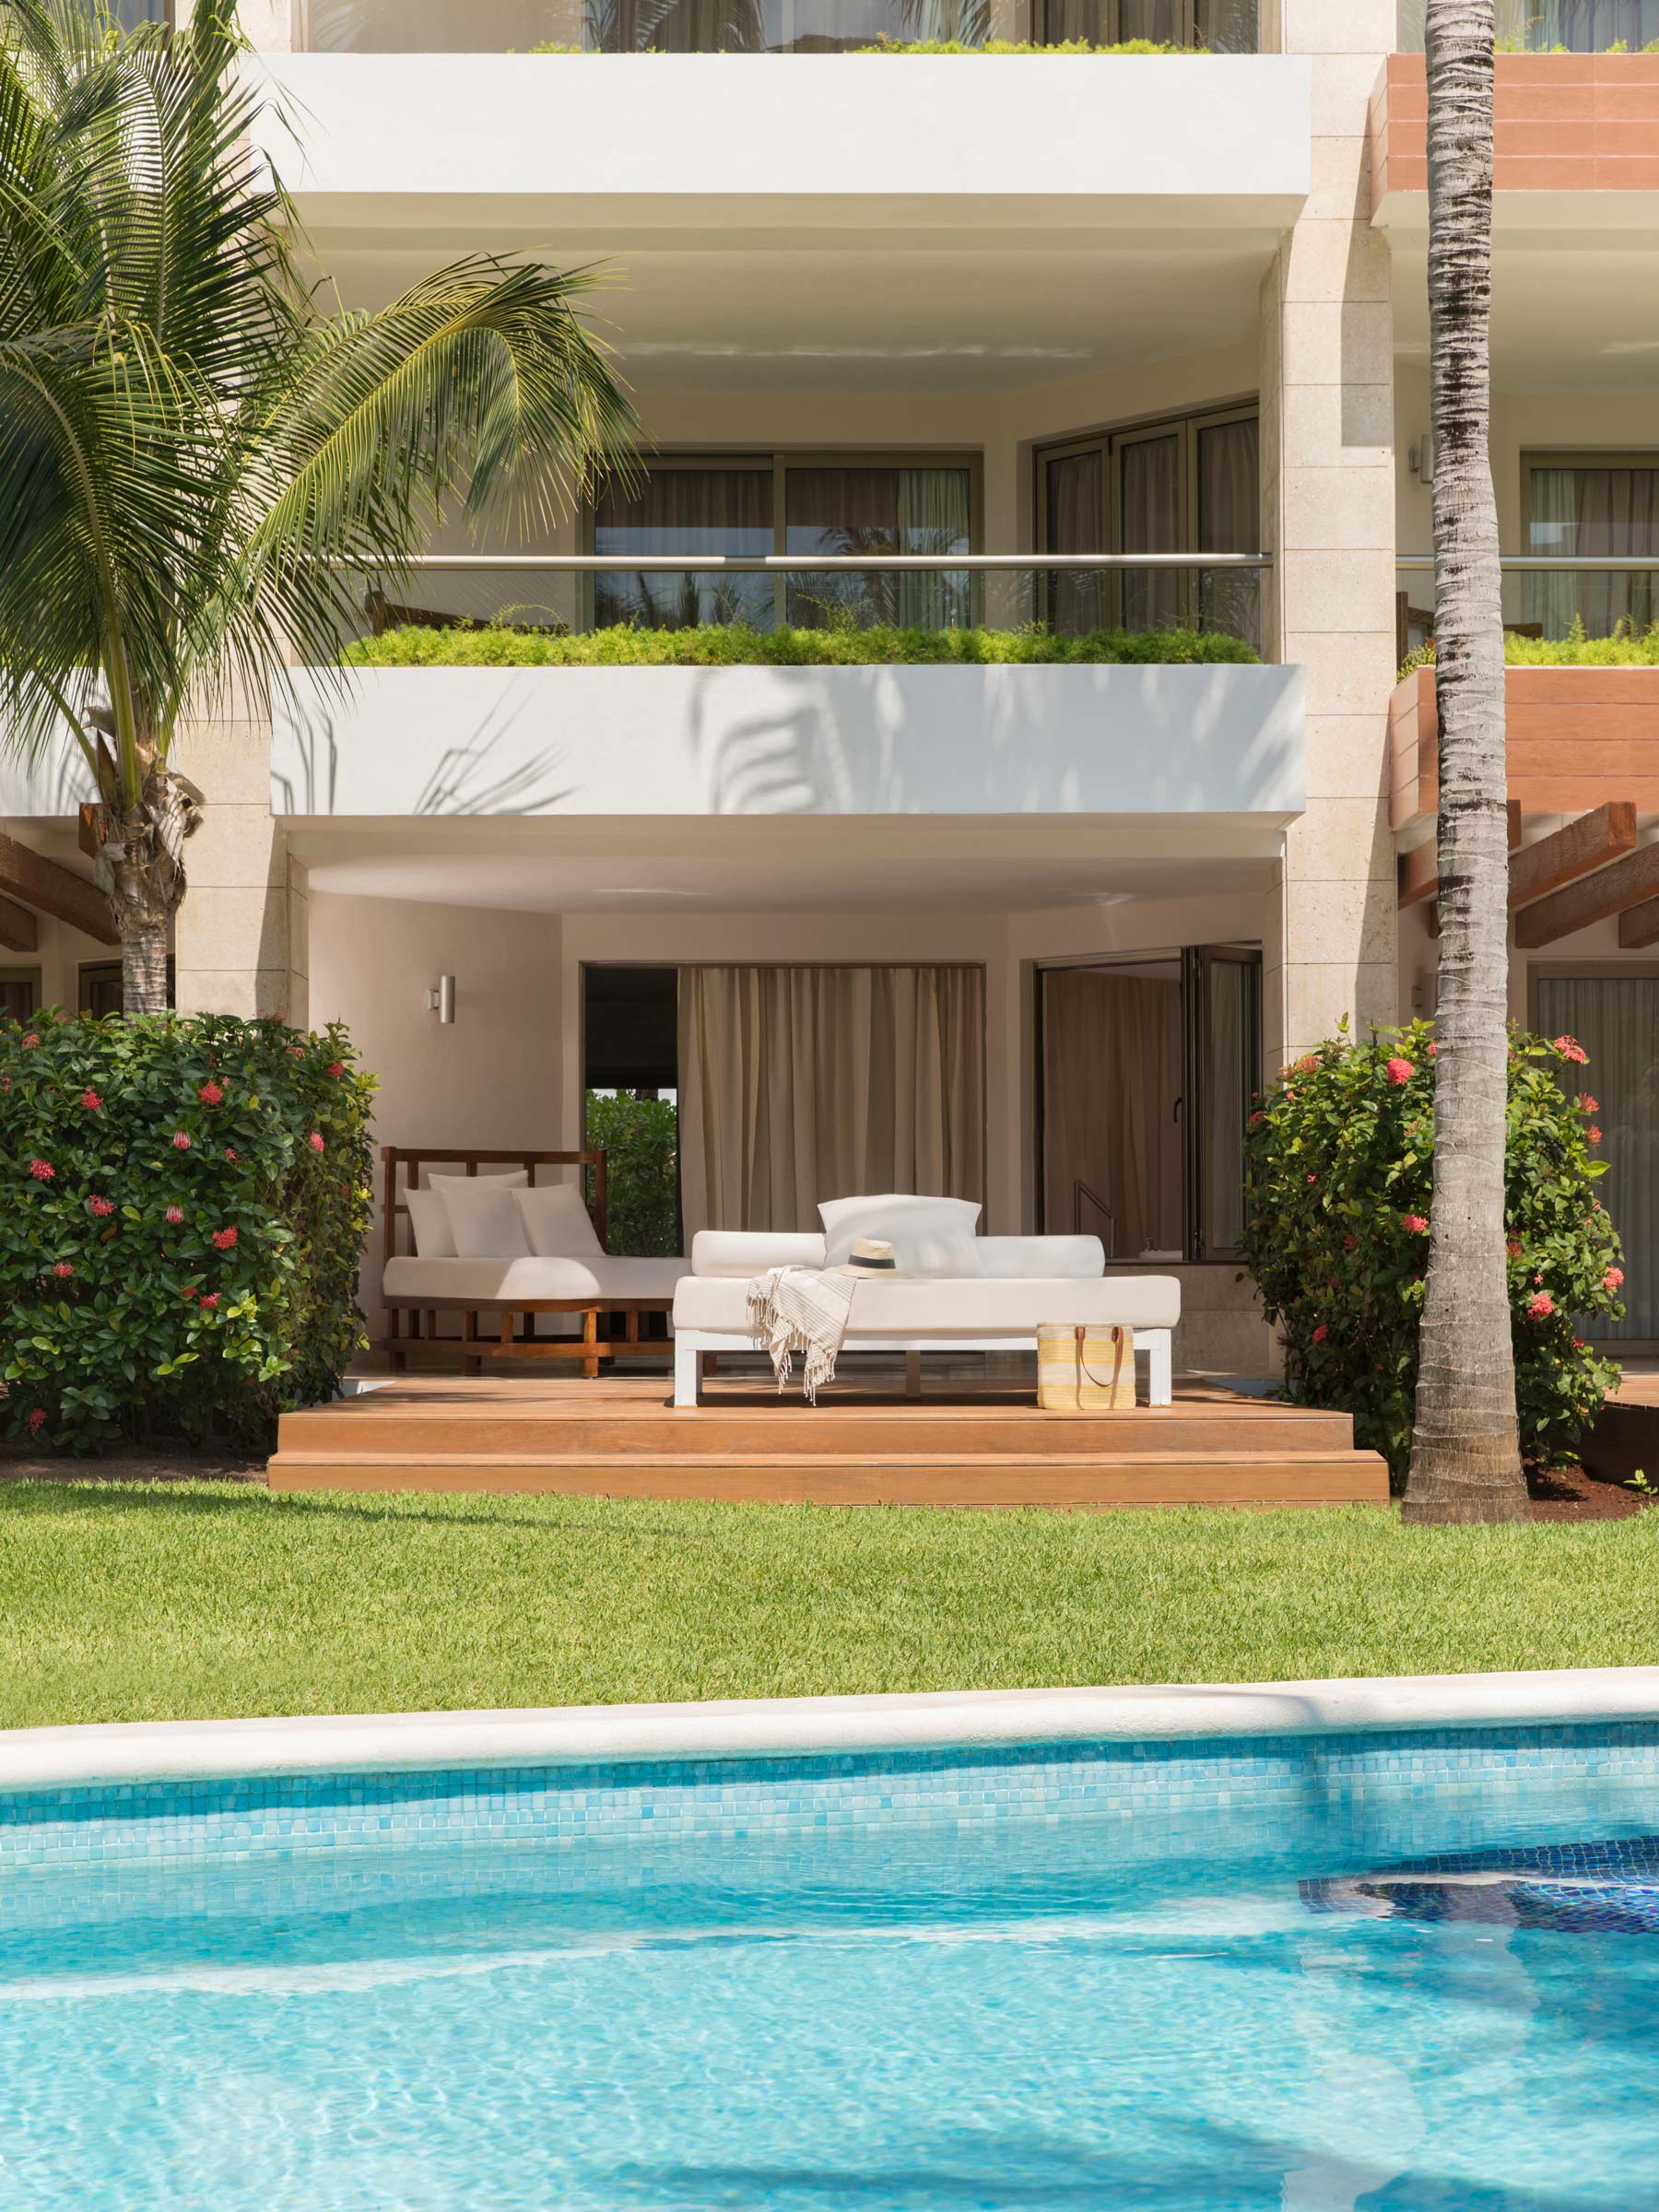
{"points": [[1628, 882], [1638, 925], [1571, 851], [1418, 876], [20, 930], [55, 891]]}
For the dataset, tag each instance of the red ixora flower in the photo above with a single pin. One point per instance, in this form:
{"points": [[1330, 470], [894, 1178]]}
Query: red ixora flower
{"points": [[1312, 1179], [188, 1292], [90, 1100], [1540, 1305], [63, 1270], [1570, 1049], [229, 1154], [210, 1094], [180, 1142], [225, 1238], [1585, 1103], [37, 1420], [1613, 1279], [100, 1206], [1592, 1135], [1400, 1071], [1348, 1243], [1513, 1248], [42, 1170], [30, 1042], [315, 1140], [1414, 1223], [1320, 1333], [1308, 1062], [211, 1298], [175, 1214], [1434, 1050], [337, 1068], [1257, 1118]]}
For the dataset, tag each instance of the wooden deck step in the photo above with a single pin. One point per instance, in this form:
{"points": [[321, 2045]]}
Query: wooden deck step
{"points": [[1079, 1481], [400, 1431]]}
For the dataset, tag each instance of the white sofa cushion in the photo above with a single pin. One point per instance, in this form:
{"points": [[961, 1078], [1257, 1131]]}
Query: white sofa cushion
{"points": [[929, 1236], [457, 1282], [556, 1222], [429, 1225], [483, 1219], [896, 1305], [1015, 1258], [745, 1253]]}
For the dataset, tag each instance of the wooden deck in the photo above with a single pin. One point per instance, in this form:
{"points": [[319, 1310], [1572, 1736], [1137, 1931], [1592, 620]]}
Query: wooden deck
{"points": [[958, 1445]]}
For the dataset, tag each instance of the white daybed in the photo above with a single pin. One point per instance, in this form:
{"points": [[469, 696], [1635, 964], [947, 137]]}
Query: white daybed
{"points": [[1019, 1283]]}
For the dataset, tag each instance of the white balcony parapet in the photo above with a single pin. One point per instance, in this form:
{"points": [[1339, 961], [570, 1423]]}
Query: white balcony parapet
{"points": [[620, 139], [1079, 740]]}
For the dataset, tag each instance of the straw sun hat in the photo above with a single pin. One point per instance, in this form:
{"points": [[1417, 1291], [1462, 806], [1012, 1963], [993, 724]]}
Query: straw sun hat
{"points": [[868, 1256]]}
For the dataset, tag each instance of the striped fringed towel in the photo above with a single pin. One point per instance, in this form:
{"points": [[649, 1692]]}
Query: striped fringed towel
{"points": [[801, 1309]]}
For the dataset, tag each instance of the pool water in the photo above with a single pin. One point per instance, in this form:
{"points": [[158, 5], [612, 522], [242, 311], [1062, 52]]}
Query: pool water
{"points": [[1030, 2010]]}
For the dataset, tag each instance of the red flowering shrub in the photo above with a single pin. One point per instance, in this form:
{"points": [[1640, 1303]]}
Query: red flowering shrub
{"points": [[1340, 1174], [150, 1287]]}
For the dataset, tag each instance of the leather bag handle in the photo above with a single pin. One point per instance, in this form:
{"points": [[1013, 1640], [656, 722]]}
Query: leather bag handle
{"points": [[1117, 1363]]}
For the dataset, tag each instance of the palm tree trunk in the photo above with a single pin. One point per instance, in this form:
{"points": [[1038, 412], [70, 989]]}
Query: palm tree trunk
{"points": [[1465, 1460], [144, 972]]}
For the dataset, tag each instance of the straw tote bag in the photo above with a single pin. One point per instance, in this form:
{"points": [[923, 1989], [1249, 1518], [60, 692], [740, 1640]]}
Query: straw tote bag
{"points": [[1083, 1370]]}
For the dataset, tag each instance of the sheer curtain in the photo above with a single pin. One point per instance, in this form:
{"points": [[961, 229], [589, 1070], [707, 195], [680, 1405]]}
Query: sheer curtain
{"points": [[705, 511], [1609, 515], [1075, 521], [1616, 1019], [1111, 1075], [800, 1084], [933, 518], [1150, 494], [1229, 521]]}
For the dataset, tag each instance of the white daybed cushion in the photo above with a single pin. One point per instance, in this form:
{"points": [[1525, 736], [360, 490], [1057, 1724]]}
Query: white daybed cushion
{"points": [[428, 1221], [745, 1253], [483, 1219], [454, 1282], [963, 1306], [556, 1223], [1016, 1257], [929, 1236]]}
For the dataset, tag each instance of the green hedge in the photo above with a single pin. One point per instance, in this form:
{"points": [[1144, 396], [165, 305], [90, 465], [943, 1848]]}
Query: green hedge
{"points": [[187, 1202], [994, 46], [734, 644], [1627, 648], [1339, 1175], [640, 1140]]}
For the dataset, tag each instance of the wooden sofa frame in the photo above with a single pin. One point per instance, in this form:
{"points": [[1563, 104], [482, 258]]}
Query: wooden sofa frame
{"points": [[506, 1343]]}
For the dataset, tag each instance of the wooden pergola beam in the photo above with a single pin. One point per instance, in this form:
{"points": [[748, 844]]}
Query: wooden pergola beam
{"points": [[1627, 883], [19, 932], [55, 891], [1638, 925], [1572, 850], [1417, 870]]}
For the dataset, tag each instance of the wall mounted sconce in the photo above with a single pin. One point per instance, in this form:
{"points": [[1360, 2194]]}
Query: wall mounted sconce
{"points": [[1421, 459], [440, 999]]}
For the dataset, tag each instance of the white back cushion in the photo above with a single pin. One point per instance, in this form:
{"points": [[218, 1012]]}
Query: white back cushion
{"points": [[482, 1218], [556, 1222], [929, 1236], [429, 1225]]}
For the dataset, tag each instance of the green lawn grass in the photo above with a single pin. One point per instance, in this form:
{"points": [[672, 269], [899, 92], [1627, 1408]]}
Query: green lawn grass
{"points": [[148, 1602]]}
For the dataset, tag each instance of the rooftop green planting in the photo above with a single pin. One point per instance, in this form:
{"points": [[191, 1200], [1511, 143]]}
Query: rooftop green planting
{"points": [[1626, 648], [127, 1602], [999, 46], [734, 645]]}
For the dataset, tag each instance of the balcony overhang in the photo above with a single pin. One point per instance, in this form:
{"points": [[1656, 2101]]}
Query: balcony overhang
{"points": [[1095, 774]]}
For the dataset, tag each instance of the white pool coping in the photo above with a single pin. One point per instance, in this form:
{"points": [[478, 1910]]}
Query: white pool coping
{"points": [[33, 1758]]}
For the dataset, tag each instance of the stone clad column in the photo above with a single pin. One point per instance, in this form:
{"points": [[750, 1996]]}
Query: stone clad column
{"points": [[240, 937], [1327, 488]]}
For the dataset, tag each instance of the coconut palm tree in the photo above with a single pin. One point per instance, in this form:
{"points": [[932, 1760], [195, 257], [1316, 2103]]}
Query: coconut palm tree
{"points": [[198, 463], [1465, 1460]]}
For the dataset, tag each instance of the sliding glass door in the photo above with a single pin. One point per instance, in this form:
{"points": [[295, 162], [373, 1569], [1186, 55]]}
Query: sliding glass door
{"points": [[1615, 1015], [1146, 1072], [1189, 485], [693, 510]]}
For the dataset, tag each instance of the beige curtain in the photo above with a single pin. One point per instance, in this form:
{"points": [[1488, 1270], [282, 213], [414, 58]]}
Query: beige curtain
{"points": [[1110, 1079], [800, 1084]]}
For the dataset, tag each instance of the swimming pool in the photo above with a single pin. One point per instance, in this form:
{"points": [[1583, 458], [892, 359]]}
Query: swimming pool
{"points": [[1066, 1974]]}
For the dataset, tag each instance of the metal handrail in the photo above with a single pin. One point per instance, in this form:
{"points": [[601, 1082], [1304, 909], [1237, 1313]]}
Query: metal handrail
{"points": [[814, 564], [1642, 564]]}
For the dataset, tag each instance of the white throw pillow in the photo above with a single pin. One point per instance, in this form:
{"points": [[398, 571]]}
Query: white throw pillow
{"points": [[929, 1236], [429, 1225], [482, 1218], [558, 1223]]}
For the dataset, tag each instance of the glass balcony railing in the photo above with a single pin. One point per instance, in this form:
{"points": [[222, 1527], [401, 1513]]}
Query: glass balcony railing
{"points": [[1555, 26], [1176, 602], [763, 26], [1556, 599]]}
